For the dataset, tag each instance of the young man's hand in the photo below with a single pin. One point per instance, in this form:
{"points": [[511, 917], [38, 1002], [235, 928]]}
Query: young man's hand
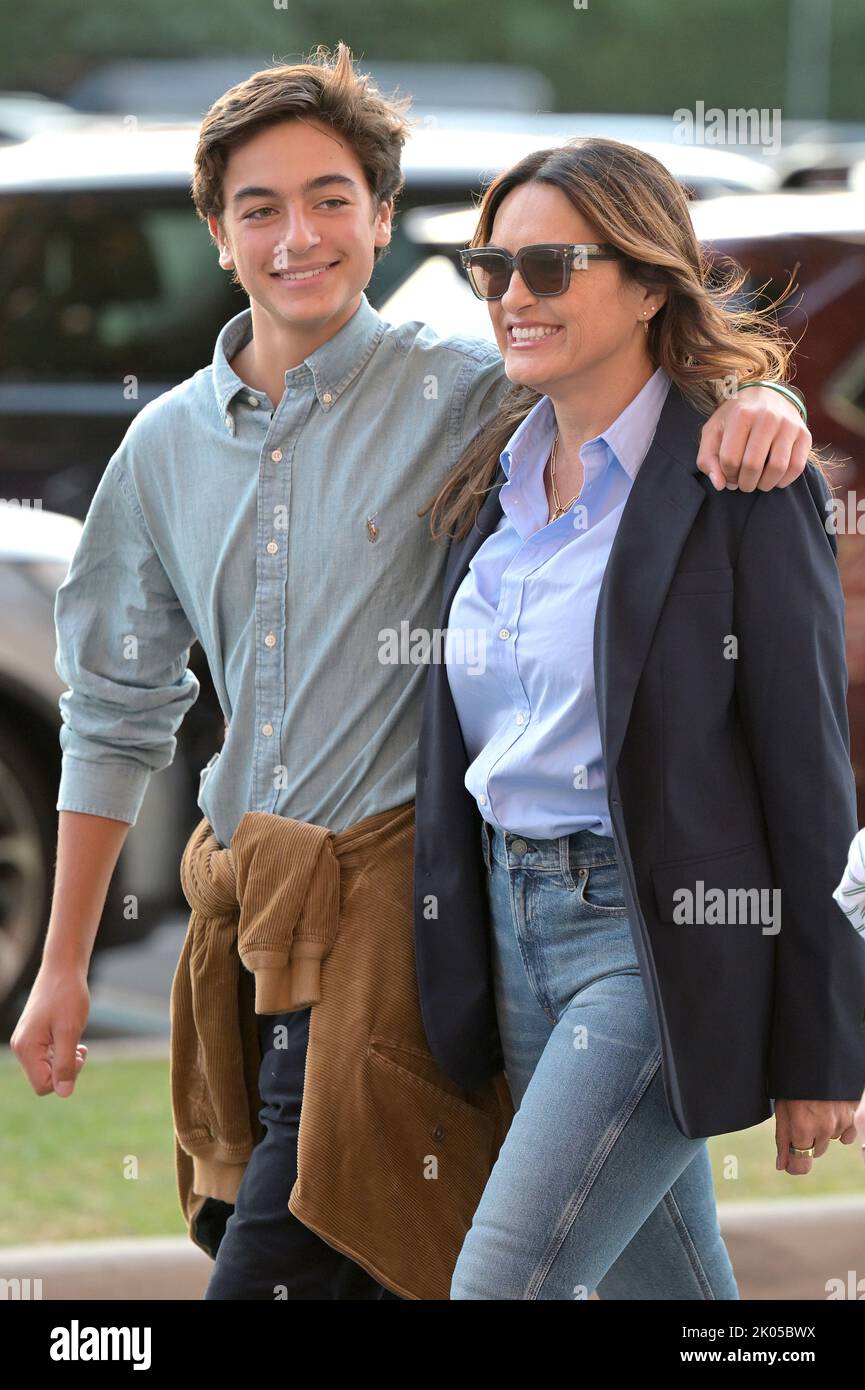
{"points": [[756, 439], [46, 1039]]}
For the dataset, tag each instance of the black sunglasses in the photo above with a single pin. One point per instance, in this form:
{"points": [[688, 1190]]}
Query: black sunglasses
{"points": [[545, 268]]}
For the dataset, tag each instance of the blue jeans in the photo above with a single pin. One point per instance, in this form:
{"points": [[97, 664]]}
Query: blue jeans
{"points": [[594, 1188]]}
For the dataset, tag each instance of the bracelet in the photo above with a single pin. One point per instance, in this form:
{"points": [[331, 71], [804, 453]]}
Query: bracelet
{"points": [[790, 392]]}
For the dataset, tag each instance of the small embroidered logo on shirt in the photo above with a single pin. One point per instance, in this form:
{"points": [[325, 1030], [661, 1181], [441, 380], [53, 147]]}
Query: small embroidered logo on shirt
{"points": [[371, 528]]}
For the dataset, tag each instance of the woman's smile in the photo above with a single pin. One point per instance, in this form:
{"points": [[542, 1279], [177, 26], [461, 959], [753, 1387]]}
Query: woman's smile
{"points": [[532, 335]]}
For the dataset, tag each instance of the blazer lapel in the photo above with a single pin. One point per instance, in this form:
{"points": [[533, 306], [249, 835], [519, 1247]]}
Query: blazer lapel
{"points": [[657, 517]]}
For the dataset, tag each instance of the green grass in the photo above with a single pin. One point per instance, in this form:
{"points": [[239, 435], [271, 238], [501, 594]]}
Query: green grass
{"points": [[63, 1163]]}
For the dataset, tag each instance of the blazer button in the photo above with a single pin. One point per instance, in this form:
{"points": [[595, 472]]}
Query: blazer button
{"points": [[438, 1132]]}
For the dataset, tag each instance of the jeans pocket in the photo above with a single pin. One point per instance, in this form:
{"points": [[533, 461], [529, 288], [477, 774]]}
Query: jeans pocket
{"points": [[600, 888]]}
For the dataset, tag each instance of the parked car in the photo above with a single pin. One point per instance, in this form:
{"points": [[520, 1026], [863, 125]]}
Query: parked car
{"points": [[23, 114], [36, 547], [820, 237], [179, 89]]}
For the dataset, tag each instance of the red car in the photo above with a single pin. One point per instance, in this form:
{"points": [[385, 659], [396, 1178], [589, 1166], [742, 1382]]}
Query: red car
{"points": [[820, 236]]}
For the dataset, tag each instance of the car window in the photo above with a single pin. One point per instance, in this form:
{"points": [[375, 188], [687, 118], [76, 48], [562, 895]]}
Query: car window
{"points": [[93, 287], [97, 285]]}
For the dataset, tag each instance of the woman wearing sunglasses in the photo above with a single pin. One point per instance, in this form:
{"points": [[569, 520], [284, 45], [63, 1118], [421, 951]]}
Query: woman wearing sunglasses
{"points": [[632, 814]]}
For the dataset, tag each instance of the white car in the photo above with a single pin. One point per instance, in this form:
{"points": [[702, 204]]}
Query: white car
{"points": [[36, 547]]}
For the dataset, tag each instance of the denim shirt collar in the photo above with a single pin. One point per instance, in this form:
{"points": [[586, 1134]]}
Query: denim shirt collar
{"points": [[333, 366]]}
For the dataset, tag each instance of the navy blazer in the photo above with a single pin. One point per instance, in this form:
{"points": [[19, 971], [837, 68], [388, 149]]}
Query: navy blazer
{"points": [[727, 765]]}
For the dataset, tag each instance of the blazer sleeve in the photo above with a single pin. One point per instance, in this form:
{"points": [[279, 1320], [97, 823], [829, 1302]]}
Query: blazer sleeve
{"points": [[791, 684]]}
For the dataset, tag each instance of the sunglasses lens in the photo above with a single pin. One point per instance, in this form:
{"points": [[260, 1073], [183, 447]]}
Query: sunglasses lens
{"points": [[489, 275], [544, 272]]}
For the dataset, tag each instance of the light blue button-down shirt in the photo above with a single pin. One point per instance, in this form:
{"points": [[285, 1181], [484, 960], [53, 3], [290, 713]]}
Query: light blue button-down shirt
{"points": [[289, 544], [528, 710]]}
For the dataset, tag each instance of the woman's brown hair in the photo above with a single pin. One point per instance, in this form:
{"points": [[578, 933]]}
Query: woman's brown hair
{"points": [[325, 88], [703, 342]]}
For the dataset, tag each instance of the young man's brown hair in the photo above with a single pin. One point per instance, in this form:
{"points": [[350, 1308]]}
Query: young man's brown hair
{"points": [[325, 88]]}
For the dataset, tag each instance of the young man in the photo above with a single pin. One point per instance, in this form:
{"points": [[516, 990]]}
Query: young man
{"points": [[268, 507]]}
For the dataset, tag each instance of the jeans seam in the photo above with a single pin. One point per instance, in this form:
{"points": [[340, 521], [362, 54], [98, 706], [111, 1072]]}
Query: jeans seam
{"points": [[687, 1244], [601, 1155]]}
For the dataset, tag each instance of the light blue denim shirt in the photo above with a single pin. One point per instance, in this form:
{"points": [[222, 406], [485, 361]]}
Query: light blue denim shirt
{"points": [[528, 711], [288, 544]]}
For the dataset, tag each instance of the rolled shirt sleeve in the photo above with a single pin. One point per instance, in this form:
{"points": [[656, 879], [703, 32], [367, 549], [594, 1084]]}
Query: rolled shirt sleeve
{"points": [[123, 643]]}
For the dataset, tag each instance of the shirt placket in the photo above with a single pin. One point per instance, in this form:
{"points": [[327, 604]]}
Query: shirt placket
{"points": [[504, 665], [273, 527], [512, 600]]}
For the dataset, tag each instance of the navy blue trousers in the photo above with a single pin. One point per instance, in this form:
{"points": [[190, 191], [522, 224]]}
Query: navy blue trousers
{"points": [[266, 1253]]}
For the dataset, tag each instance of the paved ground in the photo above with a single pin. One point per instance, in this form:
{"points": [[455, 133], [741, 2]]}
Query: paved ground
{"points": [[785, 1249]]}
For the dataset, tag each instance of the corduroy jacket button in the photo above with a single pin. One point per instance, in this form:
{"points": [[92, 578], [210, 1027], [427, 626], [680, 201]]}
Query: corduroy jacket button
{"points": [[438, 1132]]}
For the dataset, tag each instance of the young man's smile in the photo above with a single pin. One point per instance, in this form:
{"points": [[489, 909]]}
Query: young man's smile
{"points": [[305, 276]]}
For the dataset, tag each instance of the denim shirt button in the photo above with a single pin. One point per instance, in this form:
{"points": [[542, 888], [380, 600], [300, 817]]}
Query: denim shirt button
{"points": [[518, 847]]}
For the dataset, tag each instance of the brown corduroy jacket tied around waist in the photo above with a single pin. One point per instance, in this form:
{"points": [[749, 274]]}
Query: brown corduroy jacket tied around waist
{"points": [[393, 1156]]}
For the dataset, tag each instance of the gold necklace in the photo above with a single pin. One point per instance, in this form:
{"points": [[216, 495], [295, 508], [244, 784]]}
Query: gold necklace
{"points": [[560, 510]]}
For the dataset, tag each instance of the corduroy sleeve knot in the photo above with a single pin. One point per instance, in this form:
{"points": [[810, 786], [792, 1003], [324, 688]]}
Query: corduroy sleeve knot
{"points": [[288, 891]]}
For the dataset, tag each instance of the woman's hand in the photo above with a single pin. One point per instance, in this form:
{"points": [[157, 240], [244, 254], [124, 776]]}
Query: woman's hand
{"points": [[804, 1123], [754, 440]]}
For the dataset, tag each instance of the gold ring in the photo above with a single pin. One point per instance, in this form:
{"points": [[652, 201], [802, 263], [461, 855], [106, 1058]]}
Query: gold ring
{"points": [[802, 1153]]}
